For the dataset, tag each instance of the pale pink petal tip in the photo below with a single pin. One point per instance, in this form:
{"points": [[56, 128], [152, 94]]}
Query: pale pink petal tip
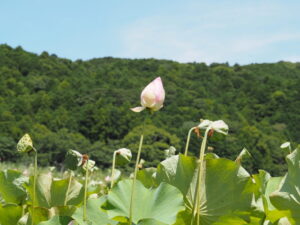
{"points": [[138, 109]]}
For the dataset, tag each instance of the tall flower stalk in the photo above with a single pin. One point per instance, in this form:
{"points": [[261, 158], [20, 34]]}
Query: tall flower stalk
{"points": [[209, 126], [25, 145], [152, 98], [85, 191], [135, 174], [188, 140], [69, 186], [121, 156], [75, 160], [196, 204], [113, 169]]}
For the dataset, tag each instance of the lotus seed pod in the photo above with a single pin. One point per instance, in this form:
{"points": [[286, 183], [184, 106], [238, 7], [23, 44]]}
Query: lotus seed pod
{"points": [[25, 144]]}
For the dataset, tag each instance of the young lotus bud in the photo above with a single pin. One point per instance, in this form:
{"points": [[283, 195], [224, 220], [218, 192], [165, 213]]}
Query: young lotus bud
{"points": [[123, 156], [25, 144], [141, 163], [170, 152], [152, 97], [73, 159], [116, 176]]}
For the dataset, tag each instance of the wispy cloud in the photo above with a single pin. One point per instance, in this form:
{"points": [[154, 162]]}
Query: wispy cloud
{"points": [[240, 33]]}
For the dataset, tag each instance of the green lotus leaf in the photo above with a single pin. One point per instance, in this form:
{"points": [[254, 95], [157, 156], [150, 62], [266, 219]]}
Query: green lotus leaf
{"points": [[227, 187], [10, 214], [161, 203], [287, 197], [40, 215], [147, 177], [95, 215], [57, 220], [51, 192], [11, 186]]}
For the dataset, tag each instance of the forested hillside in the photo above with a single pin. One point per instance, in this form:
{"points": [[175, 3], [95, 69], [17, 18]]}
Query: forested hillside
{"points": [[84, 105]]}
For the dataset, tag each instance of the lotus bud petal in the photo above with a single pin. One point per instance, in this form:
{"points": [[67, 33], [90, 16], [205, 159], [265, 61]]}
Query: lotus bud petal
{"points": [[138, 109], [285, 145], [107, 179], [220, 126], [25, 144], [152, 97], [204, 124], [123, 156]]}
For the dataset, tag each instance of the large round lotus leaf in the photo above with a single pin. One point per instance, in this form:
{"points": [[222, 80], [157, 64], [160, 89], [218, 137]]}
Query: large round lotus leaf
{"points": [[287, 197], [227, 187], [50, 192], [10, 214], [11, 186], [95, 215], [178, 171], [162, 203], [59, 192]]}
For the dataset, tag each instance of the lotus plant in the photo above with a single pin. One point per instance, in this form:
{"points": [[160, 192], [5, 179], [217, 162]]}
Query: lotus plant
{"points": [[25, 145], [210, 127], [74, 160], [152, 98], [121, 156]]}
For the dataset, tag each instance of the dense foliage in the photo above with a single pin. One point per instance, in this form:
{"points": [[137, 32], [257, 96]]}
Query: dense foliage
{"points": [[163, 196], [84, 105]]}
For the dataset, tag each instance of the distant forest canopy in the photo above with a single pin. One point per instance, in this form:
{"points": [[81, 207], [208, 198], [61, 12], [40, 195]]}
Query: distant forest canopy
{"points": [[84, 105]]}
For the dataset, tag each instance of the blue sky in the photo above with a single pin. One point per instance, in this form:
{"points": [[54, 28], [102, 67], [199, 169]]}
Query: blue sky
{"points": [[244, 31]]}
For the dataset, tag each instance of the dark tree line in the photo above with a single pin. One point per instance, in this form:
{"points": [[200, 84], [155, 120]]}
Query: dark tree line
{"points": [[84, 105]]}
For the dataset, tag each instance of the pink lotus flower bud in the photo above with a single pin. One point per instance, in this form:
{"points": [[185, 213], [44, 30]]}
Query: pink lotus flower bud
{"points": [[152, 96]]}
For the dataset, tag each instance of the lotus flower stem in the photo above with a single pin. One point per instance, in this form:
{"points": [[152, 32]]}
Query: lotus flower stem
{"points": [[135, 172], [85, 191], [196, 204], [188, 141], [34, 185], [113, 170], [68, 189]]}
